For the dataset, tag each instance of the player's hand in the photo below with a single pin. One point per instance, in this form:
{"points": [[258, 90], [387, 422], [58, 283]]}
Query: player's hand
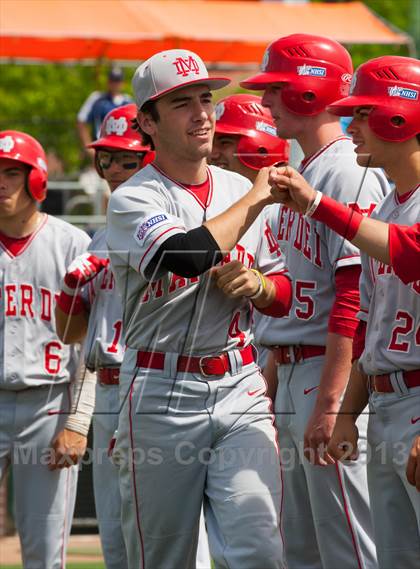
{"points": [[235, 280], [290, 188], [317, 436], [68, 448], [261, 187], [413, 464], [83, 269], [343, 443]]}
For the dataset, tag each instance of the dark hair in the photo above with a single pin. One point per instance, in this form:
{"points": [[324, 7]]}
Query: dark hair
{"points": [[149, 108], [418, 138]]}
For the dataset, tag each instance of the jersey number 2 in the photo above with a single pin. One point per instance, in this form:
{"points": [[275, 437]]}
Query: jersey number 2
{"points": [[407, 326]]}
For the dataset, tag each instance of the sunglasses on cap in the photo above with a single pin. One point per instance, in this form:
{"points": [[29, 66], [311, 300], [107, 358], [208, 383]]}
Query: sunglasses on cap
{"points": [[127, 160]]}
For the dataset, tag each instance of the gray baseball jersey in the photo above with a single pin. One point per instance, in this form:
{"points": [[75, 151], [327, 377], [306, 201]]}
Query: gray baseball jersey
{"points": [[32, 353], [138, 223], [104, 347], [174, 315], [390, 308], [313, 251], [104, 343]]}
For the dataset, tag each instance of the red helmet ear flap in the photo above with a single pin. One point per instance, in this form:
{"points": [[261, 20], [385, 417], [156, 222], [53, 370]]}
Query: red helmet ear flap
{"points": [[302, 100], [252, 153], [393, 125], [37, 184], [262, 150]]}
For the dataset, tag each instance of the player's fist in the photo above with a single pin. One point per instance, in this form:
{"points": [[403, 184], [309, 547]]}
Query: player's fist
{"points": [[317, 436], [290, 188], [83, 269], [235, 280], [343, 442], [68, 449]]}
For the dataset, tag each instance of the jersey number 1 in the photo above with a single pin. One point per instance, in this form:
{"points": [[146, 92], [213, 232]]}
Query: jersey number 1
{"points": [[113, 348]]}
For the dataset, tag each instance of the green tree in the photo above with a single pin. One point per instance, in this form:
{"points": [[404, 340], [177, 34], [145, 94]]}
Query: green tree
{"points": [[398, 13], [43, 100]]}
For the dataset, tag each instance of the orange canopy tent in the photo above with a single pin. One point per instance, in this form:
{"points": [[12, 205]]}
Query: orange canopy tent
{"points": [[227, 33]]}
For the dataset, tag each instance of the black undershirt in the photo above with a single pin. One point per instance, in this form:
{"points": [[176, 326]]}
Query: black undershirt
{"points": [[188, 254]]}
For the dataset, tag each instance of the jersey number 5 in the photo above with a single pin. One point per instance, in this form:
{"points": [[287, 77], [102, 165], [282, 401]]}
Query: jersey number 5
{"points": [[302, 294]]}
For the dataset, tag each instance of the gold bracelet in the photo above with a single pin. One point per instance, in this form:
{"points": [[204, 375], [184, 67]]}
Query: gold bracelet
{"points": [[262, 285]]}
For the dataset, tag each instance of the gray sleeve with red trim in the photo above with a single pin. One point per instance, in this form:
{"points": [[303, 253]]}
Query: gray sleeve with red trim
{"points": [[138, 222]]}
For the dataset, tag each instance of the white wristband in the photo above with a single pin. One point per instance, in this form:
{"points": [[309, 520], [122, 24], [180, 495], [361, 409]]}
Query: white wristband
{"points": [[69, 290], [311, 209]]}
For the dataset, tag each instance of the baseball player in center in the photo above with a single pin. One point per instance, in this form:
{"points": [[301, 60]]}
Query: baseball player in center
{"points": [[119, 153], [195, 423], [327, 509]]}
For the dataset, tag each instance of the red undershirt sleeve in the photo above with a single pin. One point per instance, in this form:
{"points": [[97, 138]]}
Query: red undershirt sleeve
{"points": [[343, 319], [404, 250], [283, 298]]}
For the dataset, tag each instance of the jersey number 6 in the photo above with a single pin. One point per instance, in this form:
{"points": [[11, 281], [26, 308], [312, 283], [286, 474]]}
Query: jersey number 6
{"points": [[52, 359]]}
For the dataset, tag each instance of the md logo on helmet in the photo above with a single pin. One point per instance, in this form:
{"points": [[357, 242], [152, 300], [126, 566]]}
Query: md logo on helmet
{"points": [[6, 143], [116, 126]]}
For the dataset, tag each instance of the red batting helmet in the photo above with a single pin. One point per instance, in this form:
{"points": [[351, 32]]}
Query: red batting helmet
{"points": [[24, 148], [117, 134], [391, 85], [315, 70], [245, 116]]}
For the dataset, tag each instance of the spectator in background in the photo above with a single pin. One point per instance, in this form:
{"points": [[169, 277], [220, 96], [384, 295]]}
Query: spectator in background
{"points": [[97, 105], [89, 120]]}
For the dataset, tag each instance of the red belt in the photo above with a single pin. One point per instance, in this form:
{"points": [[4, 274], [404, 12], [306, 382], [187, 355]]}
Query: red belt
{"points": [[108, 375], [382, 383], [293, 354], [205, 365]]}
